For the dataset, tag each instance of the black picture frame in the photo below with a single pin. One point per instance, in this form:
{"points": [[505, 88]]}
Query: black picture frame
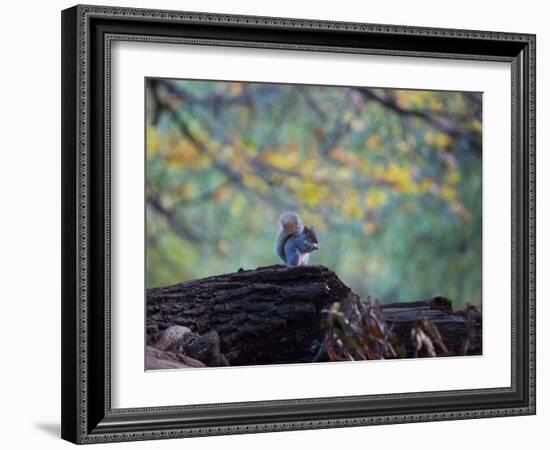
{"points": [[87, 415]]}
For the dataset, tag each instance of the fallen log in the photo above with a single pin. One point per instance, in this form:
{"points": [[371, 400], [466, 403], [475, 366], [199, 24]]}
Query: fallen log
{"points": [[460, 331], [274, 315], [268, 315]]}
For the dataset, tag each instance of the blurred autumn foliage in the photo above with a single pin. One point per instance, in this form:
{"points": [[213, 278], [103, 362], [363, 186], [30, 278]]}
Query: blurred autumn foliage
{"points": [[390, 179]]}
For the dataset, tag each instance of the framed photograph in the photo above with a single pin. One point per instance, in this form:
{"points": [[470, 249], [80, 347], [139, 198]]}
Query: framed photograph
{"points": [[282, 224]]}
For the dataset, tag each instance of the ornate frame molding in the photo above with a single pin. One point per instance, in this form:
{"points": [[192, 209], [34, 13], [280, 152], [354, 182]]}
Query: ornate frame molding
{"points": [[83, 421]]}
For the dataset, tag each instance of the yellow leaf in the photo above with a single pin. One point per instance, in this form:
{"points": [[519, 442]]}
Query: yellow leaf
{"points": [[476, 126], [443, 141], [402, 99], [281, 160], [309, 193], [375, 198], [447, 193], [351, 208], [436, 105], [400, 177], [453, 177], [255, 183], [184, 154], [152, 141]]}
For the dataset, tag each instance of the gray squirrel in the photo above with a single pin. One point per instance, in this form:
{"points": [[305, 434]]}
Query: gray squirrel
{"points": [[294, 241]]}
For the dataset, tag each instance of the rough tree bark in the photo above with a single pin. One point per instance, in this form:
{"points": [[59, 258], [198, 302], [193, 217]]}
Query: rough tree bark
{"points": [[273, 314], [455, 327]]}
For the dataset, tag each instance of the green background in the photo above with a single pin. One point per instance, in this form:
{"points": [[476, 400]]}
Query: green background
{"points": [[390, 179]]}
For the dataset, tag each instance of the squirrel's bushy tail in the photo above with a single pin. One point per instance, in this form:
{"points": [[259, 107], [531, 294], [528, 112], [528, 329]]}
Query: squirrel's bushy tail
{"points": [[289, 224]]}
